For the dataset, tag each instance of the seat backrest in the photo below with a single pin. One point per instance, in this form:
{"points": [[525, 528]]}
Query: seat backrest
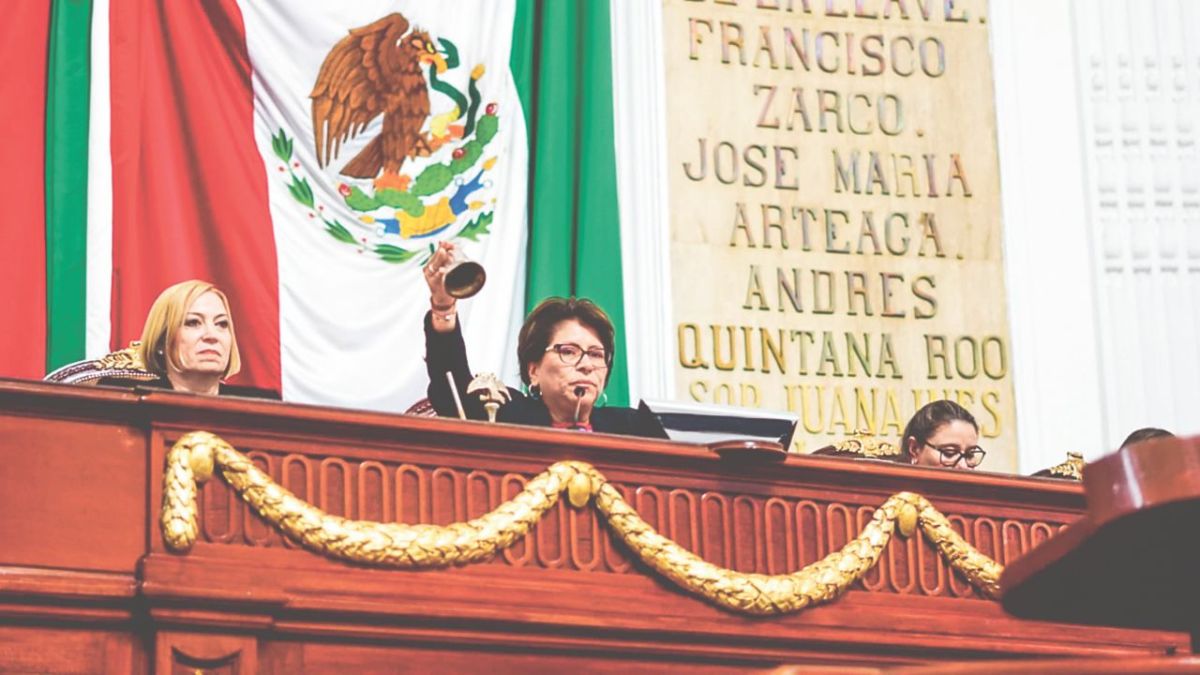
{"points": [[1071, 469], [123, 363], [422, 408]]}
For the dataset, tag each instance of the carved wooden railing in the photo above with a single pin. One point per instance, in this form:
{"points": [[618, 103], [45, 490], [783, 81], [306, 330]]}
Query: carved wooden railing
{"points": [[748, 533], [81, 494]]}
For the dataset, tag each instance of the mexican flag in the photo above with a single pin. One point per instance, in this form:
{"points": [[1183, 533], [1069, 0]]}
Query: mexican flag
{"points": [[306, 158]]}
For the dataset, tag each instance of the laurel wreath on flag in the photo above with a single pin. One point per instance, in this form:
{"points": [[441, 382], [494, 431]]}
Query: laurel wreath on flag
{"points": [[437, 195]]}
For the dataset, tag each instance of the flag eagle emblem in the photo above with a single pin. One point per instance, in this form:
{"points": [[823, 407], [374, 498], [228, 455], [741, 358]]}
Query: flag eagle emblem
{"points": [[385, 71]]}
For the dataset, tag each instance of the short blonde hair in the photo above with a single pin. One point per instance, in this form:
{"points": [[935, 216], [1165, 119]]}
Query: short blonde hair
{"points": [[166, 317]]}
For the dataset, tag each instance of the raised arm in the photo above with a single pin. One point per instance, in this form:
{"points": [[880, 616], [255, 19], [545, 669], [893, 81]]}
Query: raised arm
{"points": [[445, 351]]}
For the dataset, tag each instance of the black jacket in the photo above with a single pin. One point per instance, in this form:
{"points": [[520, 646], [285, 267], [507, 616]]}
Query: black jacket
{"points": [[446, 352], [163, 383]]}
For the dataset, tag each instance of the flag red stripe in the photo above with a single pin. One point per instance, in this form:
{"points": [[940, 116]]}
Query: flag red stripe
{"points": [[189, 188], [23, 48]]}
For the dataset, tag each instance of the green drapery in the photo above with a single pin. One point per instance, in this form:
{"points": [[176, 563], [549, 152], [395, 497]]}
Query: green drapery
{"points": [[562, 64]]}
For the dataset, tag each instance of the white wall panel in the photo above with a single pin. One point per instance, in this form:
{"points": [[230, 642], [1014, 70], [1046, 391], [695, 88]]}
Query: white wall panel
{"points": [[1048, 259], [1139, 110]]}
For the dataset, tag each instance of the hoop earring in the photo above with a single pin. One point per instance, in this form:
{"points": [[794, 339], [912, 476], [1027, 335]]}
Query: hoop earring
{"points": [[535, 392]]}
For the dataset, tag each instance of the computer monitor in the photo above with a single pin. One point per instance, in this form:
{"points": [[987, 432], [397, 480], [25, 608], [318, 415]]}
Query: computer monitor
{"points": [[708, 424]]}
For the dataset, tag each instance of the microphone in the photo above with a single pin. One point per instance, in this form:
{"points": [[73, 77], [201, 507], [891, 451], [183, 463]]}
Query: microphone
{"points": [[579, 392]]}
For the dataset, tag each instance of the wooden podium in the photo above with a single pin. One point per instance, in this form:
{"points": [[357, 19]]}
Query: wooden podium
{"points": [[1134, 558], [87, 584]]}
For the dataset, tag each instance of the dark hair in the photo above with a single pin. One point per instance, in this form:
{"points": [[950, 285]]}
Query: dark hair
{"points": [[545, 318], [931, 416], [1145, 434]]}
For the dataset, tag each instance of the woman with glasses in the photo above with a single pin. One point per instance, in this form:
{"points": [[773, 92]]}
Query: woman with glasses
{"points": [[944, 434], [565, 351]]}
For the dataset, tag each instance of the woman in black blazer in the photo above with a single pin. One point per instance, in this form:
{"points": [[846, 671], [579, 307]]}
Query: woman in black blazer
{"points": [[565, 350]]}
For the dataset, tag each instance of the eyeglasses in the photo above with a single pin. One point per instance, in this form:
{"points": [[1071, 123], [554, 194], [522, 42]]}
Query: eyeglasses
{"points": [[949, 456], [572, 355]]}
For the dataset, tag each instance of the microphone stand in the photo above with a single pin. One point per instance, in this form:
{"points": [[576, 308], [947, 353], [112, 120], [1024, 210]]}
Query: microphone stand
{"points": [[579, 392]]}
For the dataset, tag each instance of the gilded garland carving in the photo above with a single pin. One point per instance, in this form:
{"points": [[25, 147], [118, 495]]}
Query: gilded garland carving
{"points": [[196, 456]]}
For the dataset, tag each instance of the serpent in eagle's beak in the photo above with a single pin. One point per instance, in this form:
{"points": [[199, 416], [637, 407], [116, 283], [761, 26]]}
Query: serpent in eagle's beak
{"points": [[431, 56]]}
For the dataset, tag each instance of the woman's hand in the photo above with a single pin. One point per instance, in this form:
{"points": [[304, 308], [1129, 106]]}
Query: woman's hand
{"points": [[435, 274], [442, 303]]}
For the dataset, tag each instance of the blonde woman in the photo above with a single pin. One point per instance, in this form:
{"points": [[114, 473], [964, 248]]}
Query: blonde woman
{"points": [[190, 344]]}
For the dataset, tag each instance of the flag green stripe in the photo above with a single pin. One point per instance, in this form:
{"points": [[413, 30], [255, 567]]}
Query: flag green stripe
{"points": [[520, 60], [598, 243], [565, 72], [553, 151], [67, 90]]}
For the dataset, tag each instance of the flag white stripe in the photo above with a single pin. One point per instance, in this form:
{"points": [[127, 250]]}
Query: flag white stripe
{"points": [[639, 124], [97, 315], [351, 324]]}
